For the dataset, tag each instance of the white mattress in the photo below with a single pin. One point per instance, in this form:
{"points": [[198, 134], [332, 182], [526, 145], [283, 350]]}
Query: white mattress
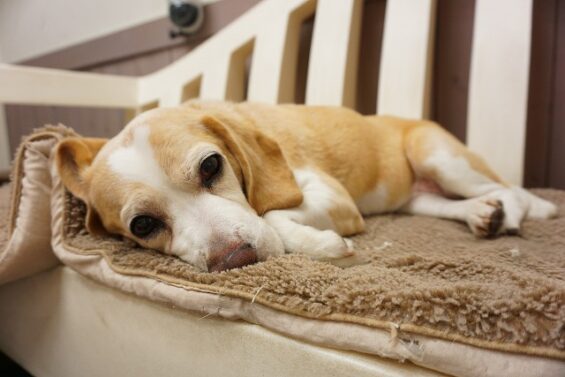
{"points": [[59, 323]]}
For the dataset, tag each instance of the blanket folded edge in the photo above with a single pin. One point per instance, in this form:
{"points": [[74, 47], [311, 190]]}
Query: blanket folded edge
{"points": [[58, 131], [26, 249]]}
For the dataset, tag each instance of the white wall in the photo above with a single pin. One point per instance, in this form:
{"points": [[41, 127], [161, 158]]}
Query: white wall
{"points": [[29, 28]]}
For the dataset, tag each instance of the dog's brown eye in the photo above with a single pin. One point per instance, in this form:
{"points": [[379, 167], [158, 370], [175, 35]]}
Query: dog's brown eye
{"points": [[209, 169], [143, 226]]}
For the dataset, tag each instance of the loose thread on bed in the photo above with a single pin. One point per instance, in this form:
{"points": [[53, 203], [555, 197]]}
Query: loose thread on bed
{"points": [[220, 293], [210, 314], [206, 316], [384, 245], [394, 329], [256, 293], [411, 345]]}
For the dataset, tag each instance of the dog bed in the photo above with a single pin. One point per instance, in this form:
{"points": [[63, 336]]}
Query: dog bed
{"points": [[430, 293]]}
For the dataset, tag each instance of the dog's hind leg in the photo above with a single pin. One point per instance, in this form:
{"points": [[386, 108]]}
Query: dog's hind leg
{"points": [[483, 216], [437, 156]]}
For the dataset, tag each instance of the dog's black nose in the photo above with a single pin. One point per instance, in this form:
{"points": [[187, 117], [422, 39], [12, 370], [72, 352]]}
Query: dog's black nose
{"points": [[232, 257]]}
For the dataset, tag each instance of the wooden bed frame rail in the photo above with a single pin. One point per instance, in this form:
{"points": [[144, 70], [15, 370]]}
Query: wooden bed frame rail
{"points": [[267, 36]]}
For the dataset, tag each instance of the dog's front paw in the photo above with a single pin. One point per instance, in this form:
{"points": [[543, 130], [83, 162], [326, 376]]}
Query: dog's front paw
{"points": [[323, 245], [486, 218], [329, 245]]}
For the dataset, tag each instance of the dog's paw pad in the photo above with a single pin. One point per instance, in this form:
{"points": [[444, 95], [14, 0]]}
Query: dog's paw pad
{"points": [[513, 231], [487, 218]]}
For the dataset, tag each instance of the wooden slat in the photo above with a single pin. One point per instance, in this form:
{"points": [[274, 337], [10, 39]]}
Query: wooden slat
{"points": [[404, 79], [500, 61], [42, 86], [224, 78], [273, 68], [220, 61], [333, 57], [172, 97], [215, 78], [209, 59]]}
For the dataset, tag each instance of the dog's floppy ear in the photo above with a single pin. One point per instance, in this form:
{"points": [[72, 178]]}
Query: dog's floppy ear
{"points": [[267, 179], [73, 157]]}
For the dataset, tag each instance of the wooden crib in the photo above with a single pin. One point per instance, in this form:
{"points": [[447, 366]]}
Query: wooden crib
{"points": [[44, 335]]}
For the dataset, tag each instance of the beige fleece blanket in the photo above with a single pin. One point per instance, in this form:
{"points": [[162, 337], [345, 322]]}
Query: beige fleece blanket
{"points": [[424, 277], [427, 275]]}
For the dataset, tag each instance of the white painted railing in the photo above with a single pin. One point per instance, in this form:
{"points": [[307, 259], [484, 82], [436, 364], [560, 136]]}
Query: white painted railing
{"points": [[269, 33]]}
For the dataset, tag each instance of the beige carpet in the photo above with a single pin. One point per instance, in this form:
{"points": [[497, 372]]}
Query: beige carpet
{"points": [[426, 275]]}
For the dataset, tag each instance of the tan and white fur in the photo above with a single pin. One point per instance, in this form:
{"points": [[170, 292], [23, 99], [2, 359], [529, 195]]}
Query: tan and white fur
{"points": [[293, 178]]}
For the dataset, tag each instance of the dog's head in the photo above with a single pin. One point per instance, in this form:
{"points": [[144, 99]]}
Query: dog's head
{"points": [[185, 183]]}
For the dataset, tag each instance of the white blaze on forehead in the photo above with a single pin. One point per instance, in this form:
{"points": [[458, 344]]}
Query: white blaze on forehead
{"points": [[137, 162]]}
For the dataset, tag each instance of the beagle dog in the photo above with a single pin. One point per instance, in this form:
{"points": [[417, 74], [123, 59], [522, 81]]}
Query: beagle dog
{"points": [[223, 185]]}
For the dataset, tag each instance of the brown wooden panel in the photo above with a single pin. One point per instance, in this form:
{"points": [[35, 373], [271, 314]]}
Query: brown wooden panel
{"points": [[542, 70], [144, 64], [557, 138], [17, 125], [306, 32], [179, 51], [452, 62], [370, 55], [22, 120]]}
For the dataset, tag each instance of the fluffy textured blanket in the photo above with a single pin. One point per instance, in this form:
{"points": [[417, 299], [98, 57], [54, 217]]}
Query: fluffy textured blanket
{"points": [[424, 277]]}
